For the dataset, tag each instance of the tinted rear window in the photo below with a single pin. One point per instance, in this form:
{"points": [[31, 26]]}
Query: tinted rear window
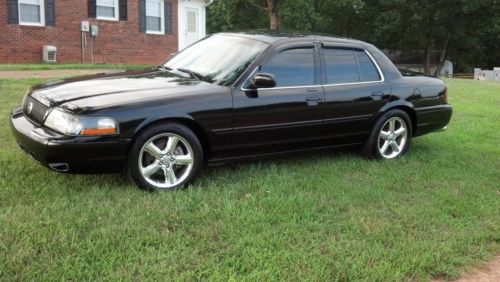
{"points": [[367, 70], [341, 66], [349, 66]]}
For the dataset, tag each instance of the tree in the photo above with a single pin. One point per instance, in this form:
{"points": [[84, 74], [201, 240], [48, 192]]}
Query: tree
{"points": [[341, 17], [272, 8], [468, 31], [230, 15], [431, 25]]}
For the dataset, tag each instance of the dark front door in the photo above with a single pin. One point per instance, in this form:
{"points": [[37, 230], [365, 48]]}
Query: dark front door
{"points": [[284, 117], [355, 90]]}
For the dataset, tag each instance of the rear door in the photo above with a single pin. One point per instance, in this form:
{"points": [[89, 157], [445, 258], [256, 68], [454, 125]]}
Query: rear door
{"points": [[355, 90]]}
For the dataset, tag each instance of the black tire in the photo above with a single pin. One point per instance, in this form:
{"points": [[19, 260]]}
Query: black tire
{"points": [[176, 129], [371, 148]]}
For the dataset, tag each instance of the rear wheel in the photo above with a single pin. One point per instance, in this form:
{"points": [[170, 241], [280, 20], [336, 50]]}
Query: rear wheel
{"points": [[390, 137], [165, 157]]}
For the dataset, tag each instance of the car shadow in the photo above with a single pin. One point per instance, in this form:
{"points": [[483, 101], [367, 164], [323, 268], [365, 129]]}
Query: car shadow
{"points": [[216, 172]]}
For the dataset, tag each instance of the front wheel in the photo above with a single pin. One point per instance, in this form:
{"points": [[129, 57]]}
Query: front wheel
{"points": [[390, 137], [165, 157]]}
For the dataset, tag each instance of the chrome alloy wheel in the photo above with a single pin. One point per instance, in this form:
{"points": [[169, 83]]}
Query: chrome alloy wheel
{"points": [[166, 160], [392, 137]]}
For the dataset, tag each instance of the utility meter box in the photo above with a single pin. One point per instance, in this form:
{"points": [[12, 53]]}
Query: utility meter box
{"points": [[94, 30], [85, 26], [49, 54]]}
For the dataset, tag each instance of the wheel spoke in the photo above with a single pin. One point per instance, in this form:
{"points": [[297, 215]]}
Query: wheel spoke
{"points": [[384, 147], [392, 125], [172, 163], [170, 177], [400, 131], [183, 160], [171, 144], [153, 150], [395, 147], [384, 135], [150, 169]]}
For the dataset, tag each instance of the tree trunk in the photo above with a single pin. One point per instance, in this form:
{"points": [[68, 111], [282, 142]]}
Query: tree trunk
{"points": [[429, 36], [427, 60], [442, 57], [274, 20], [317, 10], [272, 9]]}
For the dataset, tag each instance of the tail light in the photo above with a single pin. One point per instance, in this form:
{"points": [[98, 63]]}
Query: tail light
{"points": [[445, 96]]}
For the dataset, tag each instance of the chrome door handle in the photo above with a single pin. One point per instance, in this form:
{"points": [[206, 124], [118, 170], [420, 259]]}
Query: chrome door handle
{"points": [[377, 94], [314, 98]]}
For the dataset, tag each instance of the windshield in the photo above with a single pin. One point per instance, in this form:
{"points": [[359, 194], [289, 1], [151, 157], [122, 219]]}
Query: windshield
{"points": [[217, 59]]}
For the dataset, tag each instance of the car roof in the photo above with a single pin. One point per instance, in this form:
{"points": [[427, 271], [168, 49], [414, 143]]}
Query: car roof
{"points": [[272, 36]]}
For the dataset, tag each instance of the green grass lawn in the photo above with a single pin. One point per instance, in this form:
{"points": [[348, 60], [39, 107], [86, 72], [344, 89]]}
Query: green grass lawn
{"points": [[317, 216], [46, 66]]}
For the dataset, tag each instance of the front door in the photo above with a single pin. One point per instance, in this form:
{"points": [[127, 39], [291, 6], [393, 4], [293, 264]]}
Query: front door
{"points": [[284, 117], [192, 32]]}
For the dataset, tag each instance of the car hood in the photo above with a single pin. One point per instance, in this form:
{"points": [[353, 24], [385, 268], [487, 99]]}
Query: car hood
{"points": [[101, 90]]}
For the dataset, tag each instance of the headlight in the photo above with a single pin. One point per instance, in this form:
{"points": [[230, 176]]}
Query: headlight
{"points": [[72, 125]]}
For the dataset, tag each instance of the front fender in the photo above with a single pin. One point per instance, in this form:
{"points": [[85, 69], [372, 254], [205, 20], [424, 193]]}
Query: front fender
{"points": [[169, 116]]}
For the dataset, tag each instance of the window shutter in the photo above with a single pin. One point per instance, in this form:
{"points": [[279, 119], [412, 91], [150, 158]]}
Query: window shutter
{"points": [[142, 15], [50, 13], [168, 16], [13, 12], [123, 10], [92, 7]]}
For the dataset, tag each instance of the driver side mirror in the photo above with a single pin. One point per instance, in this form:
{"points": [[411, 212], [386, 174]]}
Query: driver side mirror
{"points": [[263, 80]]}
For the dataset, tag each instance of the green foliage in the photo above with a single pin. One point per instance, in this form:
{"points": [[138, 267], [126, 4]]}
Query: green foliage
{"points": [[466, 31], [230, 15], [462, 28], [297, 15]]}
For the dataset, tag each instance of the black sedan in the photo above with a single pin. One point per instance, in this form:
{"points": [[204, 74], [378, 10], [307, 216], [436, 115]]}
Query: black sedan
{"points": [[227, 97]]}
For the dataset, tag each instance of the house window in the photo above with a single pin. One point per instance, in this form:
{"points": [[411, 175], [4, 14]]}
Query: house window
{"points": [[107, 9], [31, 12], [155, 16]]}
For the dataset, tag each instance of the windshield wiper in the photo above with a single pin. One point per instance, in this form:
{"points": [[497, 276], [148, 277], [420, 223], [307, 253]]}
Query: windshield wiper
{"points": [[192, 73], [162, 67]]}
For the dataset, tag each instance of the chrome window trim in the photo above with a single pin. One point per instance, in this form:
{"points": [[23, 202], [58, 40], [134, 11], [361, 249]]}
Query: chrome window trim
{"points": [[381, 74]]}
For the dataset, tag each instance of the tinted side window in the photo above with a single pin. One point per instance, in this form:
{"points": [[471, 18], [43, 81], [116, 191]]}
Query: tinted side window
{"points": [[341, 66], [293, 67], [367, 69]]}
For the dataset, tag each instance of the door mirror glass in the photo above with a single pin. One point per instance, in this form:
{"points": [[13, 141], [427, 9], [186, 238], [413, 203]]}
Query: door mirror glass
{"points": [[263, 80]]}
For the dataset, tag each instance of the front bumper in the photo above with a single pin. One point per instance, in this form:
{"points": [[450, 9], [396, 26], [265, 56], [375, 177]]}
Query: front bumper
{"points": [[68, 153]]}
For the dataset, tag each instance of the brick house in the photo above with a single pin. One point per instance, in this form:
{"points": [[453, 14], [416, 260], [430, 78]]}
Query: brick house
{"points": [[128, 31]]}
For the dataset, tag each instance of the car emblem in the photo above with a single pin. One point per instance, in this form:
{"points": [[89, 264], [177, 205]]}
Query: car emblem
{"points": [[30, 108]]}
